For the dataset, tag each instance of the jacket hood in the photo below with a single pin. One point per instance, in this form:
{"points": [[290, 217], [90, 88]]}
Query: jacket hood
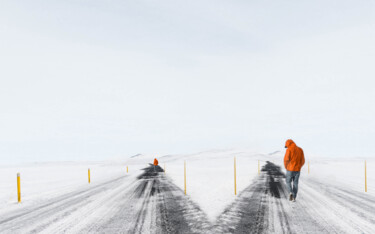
{"points": [[289, 143]]}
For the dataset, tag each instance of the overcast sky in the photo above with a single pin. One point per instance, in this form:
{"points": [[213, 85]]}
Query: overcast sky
{"points": [[97, 79]]}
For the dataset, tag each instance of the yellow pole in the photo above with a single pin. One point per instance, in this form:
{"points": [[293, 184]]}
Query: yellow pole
{"points": [[164, 168], [365, 177], [185, 176], [235, 177], [89, 175], [127, 169], [19, 187], [258, 167]]}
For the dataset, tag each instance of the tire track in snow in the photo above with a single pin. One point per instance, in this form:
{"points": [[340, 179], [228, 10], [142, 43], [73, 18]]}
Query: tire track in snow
{"points": [[36, 218], [358, 202], [350, 211], [263, 207], [153, 204], [159, 207], [250, 212]]}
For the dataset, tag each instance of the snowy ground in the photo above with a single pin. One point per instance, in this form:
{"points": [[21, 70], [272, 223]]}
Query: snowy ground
{"points": [[56, 197]]}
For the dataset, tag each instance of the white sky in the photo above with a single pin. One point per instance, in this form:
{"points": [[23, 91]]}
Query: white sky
{"points": [[98, 79]]}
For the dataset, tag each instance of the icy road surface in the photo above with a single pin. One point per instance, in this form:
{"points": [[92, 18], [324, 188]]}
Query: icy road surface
{"points": [[151, 203]]}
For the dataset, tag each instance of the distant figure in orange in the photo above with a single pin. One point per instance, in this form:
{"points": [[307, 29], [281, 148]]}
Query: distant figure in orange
{"points": [[293, 162], [156, 162]]}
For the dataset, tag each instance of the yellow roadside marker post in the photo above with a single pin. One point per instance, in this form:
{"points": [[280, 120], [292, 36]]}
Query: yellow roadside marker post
{"points": [[235, 177], [365, 177], [89, 175], [127, 169], [258, 167], [164, 168], [185, 176], [19, 187]]}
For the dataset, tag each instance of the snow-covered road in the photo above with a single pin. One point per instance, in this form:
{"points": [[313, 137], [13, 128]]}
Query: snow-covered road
{"points": [[263, 207], [152, 203], [148, 204]]}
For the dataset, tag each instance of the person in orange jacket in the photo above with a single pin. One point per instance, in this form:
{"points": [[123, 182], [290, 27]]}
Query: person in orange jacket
{"points": [[293, 162], [156, 162]]}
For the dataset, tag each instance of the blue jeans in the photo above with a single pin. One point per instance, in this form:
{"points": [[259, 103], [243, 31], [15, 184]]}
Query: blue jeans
{"points": [[292, 176]]}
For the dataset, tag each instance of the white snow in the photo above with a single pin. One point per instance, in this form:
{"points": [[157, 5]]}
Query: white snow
{"points": [[43, 181], [210, 179], [347, 173], [210, 176]]}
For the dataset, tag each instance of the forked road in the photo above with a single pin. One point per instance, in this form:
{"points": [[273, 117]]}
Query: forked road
{"points": [[153, 204]]}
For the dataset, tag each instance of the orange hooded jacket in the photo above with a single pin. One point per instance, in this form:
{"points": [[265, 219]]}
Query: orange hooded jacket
{"points": [[156, 162], [294, 157]]}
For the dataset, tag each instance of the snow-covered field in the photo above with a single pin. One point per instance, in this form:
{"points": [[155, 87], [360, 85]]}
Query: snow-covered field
{"points": [[349, 173], [56, 197], [210, 176], [41, 181]]}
